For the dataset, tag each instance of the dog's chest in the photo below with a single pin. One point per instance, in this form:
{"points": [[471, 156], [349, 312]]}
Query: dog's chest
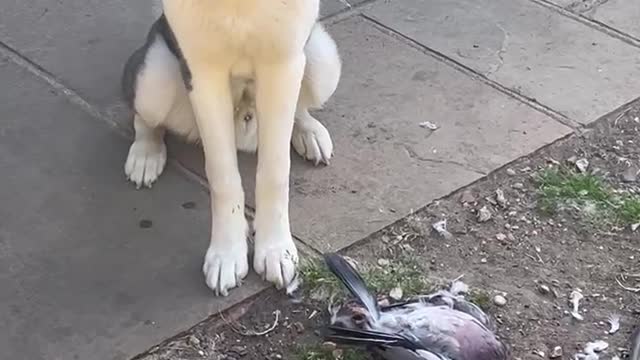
{"points": [[240, 30]]}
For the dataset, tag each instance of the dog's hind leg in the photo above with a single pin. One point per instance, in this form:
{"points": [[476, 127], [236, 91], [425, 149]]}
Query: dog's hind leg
{"points": [[322, 73], [154, 85]]}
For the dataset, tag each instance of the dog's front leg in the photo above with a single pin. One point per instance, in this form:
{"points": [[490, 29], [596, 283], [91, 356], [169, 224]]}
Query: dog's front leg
{"points": [[226, 262], [277, 90]]}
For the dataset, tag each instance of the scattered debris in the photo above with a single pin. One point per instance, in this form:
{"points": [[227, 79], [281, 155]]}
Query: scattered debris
{"points": [[396, 294], [582, 165], [384, 262], [240, 329], [574, 299], [429, 125], [620, 279], [500, 198], [499, 300], [556, 352], [484, 214], [467, 197], [544, 289], [591, 350], [614, 323], [441, 228]]}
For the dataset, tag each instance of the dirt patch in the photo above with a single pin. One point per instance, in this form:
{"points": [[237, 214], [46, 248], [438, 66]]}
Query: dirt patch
{"points": [[502, 243]]}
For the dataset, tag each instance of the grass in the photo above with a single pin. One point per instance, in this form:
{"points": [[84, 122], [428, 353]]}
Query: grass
{"points": [[480, 298], [316, 352], [597, 202], [404, 272]]}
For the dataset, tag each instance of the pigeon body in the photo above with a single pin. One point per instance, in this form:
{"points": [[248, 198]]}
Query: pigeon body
{"points": [[440, 326]]}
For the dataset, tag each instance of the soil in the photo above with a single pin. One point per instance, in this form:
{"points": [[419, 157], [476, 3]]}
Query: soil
{"points": [[535, 261]]}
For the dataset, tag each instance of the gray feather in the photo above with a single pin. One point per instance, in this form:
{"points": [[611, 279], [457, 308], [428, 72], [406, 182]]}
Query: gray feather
{"points": [[353, 281]]}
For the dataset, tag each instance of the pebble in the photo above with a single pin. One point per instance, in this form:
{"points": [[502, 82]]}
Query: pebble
{"points": [[501, 237], [396, 294], [518, 186], [499, 300], [544, 289], [467, 197], [484, 214], [635, 227], [511, 172], [483, 260], [299, 327], [384, 262], [194, 340], [500, 198], [582, 165]]}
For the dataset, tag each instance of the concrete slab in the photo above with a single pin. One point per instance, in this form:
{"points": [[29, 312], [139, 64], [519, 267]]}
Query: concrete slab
{"points": [[80, 276], [566, 65], [619, 14], [385, 163], [85, 43]]}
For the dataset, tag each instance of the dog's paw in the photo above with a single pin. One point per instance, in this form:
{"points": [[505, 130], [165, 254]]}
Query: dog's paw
{"points": [[276, 261], [312, 141], [145, 162], [225, 265]]}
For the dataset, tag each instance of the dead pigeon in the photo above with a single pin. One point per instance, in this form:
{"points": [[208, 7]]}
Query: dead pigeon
{"points": [[635, 345], [440, 326]]}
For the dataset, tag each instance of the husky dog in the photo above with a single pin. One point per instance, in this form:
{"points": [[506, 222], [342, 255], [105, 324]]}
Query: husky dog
{"points": [[235, 75]]}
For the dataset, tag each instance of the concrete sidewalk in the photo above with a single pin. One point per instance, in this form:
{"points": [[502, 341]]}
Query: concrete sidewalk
{"points": [[90, 268]]}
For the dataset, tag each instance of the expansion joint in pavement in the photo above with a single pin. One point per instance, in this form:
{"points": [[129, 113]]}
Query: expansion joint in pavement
{"points": [[24, 62], [531, 102], [595, 24]]}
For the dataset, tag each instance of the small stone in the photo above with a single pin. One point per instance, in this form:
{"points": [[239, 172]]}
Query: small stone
{"points": [[467, 197], [194, 340], [635, 227], [298, 326], [582, 165], [544, 289], [328, 346], [511, 172], [631, 174], [396, 293], [484, 214], [518, 186], [483, 260], [500, 198], [511, 237], [429, 125], [501, 237], [441, 228], [384, 262], [499, 300]]}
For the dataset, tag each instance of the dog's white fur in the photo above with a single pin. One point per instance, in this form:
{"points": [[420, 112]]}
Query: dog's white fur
{"points": [[273, 52]]}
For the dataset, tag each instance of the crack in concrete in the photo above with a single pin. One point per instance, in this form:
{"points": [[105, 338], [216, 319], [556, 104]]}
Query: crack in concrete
{"points": [[500, 53], [414, 155]]}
